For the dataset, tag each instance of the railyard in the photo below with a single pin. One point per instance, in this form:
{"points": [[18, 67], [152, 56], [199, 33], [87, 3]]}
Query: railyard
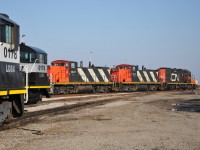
{"points": [[100, 75], [140, 120]]}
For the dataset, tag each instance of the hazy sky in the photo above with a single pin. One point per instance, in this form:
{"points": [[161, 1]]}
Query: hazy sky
{"points": [[154, 33]]}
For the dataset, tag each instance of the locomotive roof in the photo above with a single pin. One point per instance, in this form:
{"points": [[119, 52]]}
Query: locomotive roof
{"points": [[5, 17], [98, 67], [24, 47], [59, 61], [175, 69], [124, 65]]}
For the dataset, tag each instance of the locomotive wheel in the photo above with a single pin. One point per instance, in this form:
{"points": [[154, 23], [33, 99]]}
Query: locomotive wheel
{"points": [[40, 97], [177, 87], [163, 88], [34, 97], [134, 88], [33, 101], [46, 93], [94, 90], [152, 88]]}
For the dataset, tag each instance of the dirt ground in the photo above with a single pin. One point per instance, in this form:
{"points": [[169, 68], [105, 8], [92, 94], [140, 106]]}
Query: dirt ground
{"points": [[146, 122]]}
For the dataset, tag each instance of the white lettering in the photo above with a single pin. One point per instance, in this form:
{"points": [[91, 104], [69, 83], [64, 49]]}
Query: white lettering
{"points": [[174, 77], [41, 67], [10, 68]]}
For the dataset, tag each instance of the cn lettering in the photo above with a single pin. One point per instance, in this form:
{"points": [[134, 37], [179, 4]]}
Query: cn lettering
{"points": [[174, 77]]}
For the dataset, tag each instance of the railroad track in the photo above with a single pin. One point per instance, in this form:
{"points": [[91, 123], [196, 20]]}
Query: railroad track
{"points": [[73, 98], [34, 116], [60, 105]]}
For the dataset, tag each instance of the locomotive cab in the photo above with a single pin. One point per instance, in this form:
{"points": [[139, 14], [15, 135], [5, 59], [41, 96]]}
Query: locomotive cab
{"points": [[187, 76], [122, 73], [59, 71], [31, 54]]}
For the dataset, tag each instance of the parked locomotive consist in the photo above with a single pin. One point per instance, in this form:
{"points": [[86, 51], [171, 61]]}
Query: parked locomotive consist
{"points": [[130, 78], [11, 79], [67, 77], [35, 60]]}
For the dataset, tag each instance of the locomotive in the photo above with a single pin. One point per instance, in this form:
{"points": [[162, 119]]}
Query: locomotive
{"points": [[11, 78], [131, 78], [35, 61], [172, 78], [67, 77]]}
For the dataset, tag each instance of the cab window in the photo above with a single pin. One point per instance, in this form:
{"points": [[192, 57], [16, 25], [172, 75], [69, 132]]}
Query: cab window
{"points": [[6, 33], [24, 57], [32, 57], [72, 65], [134, 68], [55, 64], [45, 59], [41, 58]]}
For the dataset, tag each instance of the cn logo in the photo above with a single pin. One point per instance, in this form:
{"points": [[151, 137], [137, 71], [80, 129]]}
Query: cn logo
{"points": [[174, 77]]}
